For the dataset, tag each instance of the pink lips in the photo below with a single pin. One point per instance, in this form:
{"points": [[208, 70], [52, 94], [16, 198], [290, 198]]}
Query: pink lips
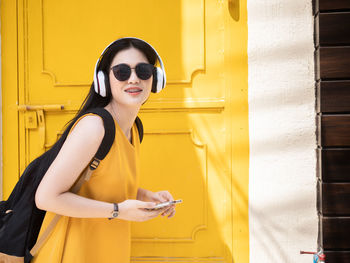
{"points": [[133, 90]]}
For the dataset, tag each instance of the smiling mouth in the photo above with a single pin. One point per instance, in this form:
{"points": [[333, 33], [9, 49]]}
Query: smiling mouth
{"points": [[133, 90]]}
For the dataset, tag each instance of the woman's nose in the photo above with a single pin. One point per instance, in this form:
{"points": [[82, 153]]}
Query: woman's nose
{"points": [[133, 77]]}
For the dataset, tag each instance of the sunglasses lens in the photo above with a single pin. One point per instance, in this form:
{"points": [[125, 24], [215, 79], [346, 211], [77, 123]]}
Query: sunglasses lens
{"points": [[121, 72], [144, 71]]}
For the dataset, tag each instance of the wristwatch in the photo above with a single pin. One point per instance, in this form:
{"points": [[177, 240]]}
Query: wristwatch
{"points": [[115, 212]]}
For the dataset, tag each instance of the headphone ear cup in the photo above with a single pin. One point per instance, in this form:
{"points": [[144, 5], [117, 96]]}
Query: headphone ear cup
{"points": [[158, 85], [107, 85], [101, 83], [154, 82]]}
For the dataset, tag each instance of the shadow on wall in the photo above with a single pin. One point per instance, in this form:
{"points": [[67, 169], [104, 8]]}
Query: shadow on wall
{"points": [[282, 194]]}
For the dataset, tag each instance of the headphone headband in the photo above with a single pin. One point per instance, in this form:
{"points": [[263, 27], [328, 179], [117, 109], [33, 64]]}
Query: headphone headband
{"points": [[101, 80]]}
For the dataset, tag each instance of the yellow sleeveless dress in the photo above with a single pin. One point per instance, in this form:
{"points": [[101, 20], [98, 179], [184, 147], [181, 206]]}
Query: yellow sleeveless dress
{"points": [[91, 240]]}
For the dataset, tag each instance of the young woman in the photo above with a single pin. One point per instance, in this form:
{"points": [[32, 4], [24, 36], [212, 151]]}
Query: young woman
{"points": [[85, 234]]}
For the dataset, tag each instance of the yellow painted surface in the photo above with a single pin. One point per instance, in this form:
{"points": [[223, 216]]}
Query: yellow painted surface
{"points": [[9, 89], [196, 131]]}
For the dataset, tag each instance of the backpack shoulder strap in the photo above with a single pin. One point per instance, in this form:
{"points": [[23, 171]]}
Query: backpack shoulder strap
{"points": [[108, 138], [139, 127]]}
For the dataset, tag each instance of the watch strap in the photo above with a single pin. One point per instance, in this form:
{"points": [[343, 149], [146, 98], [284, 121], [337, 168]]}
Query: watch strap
{"points": [[115, 211]]}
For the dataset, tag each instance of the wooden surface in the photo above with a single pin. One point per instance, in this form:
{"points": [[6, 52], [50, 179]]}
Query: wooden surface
{"points": [[332, 73], [335, 234], [331, 29], [337, 256], [335, 199], [333, 62], [335, 131], [334, 165], [331, 5], [333, 96]]}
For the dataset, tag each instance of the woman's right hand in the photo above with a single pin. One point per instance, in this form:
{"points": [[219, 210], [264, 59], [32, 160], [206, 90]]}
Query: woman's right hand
{"points": [[135, 210]]}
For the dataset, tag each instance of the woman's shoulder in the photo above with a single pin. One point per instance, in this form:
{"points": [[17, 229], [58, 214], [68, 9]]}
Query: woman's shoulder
{"points": [[89, 125]]}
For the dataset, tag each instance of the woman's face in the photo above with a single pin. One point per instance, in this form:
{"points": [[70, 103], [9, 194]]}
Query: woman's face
{"points": [[133, 91]]}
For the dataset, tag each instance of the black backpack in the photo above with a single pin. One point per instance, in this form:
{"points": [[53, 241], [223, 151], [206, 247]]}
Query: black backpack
{"points": [[20, 219]]}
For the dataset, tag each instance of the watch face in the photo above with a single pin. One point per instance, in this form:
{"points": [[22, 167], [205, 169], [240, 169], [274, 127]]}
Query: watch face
{"points": [[115, 214]]}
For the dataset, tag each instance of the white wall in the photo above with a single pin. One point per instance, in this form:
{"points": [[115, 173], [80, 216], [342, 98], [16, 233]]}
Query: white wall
{"points": [[282, 183]]}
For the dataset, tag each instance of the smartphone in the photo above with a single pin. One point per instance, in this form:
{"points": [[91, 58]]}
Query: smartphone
{"points": [[164, 204]]}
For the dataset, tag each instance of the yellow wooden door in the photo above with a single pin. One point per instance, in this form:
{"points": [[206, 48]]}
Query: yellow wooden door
{"points": [[196, 131]]}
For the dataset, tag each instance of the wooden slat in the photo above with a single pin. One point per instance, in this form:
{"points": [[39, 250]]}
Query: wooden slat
{"points": [[337, 256], [333, 62], [335, 233], [335, 165], [335, 199], [332, 29], [331, 5], [333, 96], [334, 131]]}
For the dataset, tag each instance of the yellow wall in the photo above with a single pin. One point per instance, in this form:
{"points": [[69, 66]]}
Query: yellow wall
{"points": [[9, 89], [196, 132]]}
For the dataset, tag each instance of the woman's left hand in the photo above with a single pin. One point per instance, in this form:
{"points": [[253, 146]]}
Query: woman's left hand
{"points": [[160, 197]]}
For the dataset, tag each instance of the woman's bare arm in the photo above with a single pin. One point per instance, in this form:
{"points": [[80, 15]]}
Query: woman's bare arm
{"points": [[77, 151]]}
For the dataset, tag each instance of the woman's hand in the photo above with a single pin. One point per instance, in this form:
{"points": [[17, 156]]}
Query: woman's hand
{"points": [[160, 197], [135, 210]]}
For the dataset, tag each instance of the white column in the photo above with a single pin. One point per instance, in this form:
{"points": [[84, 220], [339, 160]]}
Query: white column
{"points": [[282, 180]]}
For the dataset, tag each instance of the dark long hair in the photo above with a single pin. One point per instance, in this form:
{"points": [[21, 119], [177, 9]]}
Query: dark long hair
{"points": [[94, 100]]}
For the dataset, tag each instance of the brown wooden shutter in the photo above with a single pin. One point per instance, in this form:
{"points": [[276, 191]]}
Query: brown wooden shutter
{"points": [[332, 58]]}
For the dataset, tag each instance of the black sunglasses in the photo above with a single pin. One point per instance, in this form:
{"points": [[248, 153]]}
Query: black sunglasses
{"points": [[122, 72]]}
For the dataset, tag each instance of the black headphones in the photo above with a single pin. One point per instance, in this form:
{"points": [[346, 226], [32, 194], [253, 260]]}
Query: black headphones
{"points": [[101, 80]]}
